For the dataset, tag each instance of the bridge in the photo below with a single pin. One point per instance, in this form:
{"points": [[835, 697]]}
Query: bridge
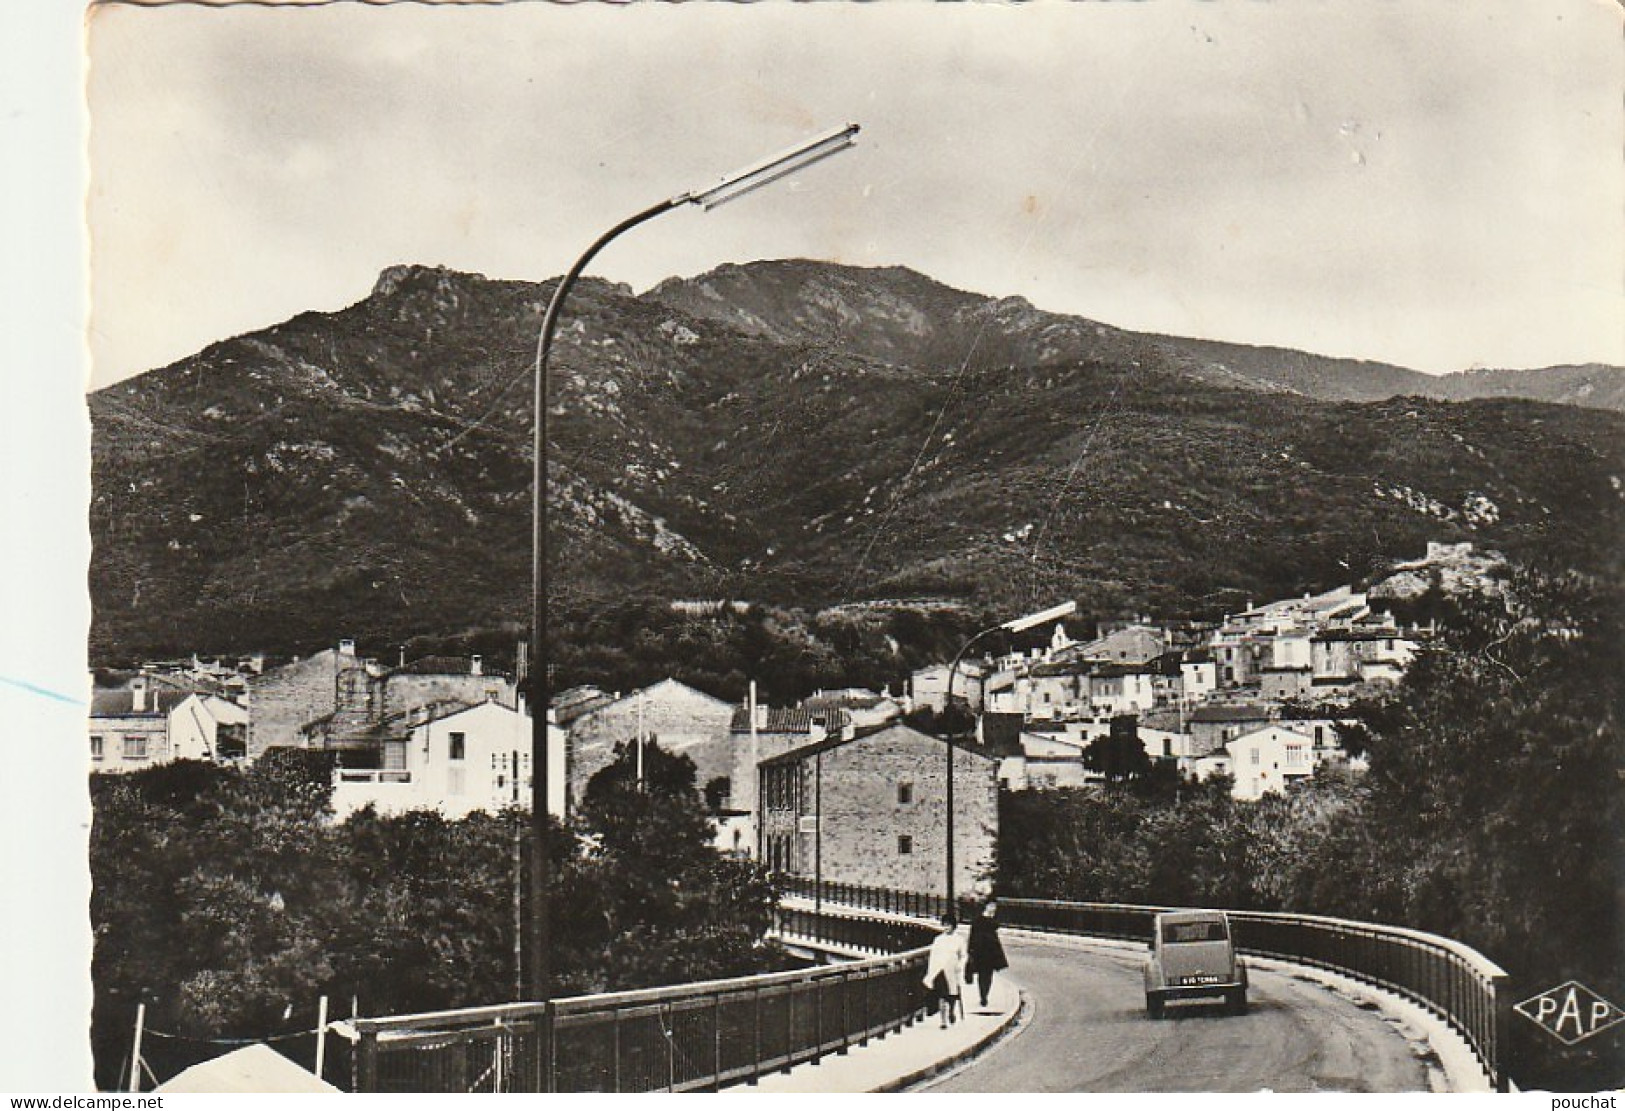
{"points": [[1338, 1006]]}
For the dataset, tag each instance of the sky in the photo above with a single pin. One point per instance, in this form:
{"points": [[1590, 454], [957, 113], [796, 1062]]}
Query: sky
{"points": [[1436, 184]]}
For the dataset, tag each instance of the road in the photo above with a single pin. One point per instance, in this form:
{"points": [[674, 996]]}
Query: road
{"points": [[1088, 1032]]}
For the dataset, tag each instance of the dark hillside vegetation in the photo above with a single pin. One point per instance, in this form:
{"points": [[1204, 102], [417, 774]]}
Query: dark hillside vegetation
{"points": [[366, 473]]}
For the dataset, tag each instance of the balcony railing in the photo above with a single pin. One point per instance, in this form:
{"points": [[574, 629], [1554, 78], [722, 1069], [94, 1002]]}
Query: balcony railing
{"points": [[372, 775]]}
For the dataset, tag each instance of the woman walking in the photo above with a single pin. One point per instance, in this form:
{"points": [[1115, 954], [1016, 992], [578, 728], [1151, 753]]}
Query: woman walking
{"points": [[986, 953], [945, 969]]}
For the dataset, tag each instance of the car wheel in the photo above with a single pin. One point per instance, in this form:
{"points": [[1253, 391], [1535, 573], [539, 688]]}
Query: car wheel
{"points": [[1237, 1001], [1153, 1005]]}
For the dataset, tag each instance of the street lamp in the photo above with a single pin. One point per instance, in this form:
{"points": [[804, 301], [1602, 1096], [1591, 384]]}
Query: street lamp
{"points": [[729, 188], [1015, 625]]}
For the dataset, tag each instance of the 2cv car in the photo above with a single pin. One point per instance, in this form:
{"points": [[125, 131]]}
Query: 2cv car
{"points": [[1193, 957]]}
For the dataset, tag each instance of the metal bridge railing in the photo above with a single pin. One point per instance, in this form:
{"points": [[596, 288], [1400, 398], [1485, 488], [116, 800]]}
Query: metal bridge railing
{"points": [[681, 1038], [918, 904], [1457, 983]]}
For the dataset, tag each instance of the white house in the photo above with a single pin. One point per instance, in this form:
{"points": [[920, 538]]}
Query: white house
{"points": [[129, 726], [202, 723], [929, 685], [1198, 679], [1269, 759], [1122, 689], [475, 758]]}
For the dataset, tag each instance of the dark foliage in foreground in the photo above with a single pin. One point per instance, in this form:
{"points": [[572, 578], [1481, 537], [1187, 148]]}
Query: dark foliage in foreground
{"points": [[228, 902]]}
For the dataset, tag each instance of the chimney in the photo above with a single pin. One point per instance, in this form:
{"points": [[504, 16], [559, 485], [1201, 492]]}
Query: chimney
{"points": [[138, 694], [346, 647], [476, 665], [521, 664]]}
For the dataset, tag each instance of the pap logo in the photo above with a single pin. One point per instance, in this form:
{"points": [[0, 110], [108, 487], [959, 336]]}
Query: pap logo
{"points": [[1570, 1012]]}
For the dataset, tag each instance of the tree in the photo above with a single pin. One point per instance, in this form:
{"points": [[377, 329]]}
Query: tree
{"points": [[1119, 755], [659, 904]]}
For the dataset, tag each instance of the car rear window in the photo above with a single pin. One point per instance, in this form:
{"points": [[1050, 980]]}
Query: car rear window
{"points": [[1174, 933]]}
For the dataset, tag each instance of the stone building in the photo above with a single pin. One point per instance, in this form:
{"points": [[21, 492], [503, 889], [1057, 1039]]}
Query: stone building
{"points": [[872, 809], [337, 699], [681, 719], [759, 732]]}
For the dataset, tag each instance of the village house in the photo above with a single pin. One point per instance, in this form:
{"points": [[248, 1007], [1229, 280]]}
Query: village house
{"points": [[1181, 678], [209, 726], [1270, 760], [928, 686], [872, 809], [334, 683], [864, 709], [1215, 725], [1122, 689], [338, 700], [684, 721], [454, 760], [758, 732], [1133, 642], [1364, 653], [129, 727], [1049, 756]]}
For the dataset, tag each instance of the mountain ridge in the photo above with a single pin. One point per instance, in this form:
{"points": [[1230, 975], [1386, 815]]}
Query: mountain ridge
{"points": [[366, 471]]}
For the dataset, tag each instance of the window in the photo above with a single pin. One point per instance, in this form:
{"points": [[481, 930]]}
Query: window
{"points": [[454, 781], [1256, 754], [1179, 933], [905, 792], [96, 746], [459, 746], [905, 845], [1294, 754], [135, 747]]}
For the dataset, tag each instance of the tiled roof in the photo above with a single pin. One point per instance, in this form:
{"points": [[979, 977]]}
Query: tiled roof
{"points": [[1229, 713], [796, 755], [854, 697], [120, 703], [791, 719], [1373, 633], [443, 665], [580, 708]]}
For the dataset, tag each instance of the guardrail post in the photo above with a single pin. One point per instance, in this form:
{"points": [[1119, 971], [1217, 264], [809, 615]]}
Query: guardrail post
{"points": [[716, 1042], [549, 1051], [1500, 1047], [863, 1035], [369, 1060], [789, 1025], [615, 1049], [669, 1025], [756, 1033], [845, 997], [818, 1020]]}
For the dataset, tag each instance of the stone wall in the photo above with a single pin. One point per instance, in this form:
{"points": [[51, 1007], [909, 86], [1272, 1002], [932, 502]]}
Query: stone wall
{"points": [[870, 794], [284, 698], [679, 718]]}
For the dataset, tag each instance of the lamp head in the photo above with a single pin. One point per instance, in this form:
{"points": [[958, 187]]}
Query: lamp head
{"points": [[1032, 620], [769, 170]]}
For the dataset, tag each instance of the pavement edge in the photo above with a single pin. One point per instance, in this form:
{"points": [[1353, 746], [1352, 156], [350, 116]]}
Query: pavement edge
{"points": [[1008, 1027]]}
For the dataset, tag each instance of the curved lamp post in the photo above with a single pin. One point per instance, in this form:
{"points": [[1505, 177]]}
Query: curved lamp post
{"points": [[1014, 625], [729, 188]]}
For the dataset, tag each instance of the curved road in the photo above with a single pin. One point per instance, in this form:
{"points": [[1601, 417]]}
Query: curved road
{"points": [[1088, 1032]]}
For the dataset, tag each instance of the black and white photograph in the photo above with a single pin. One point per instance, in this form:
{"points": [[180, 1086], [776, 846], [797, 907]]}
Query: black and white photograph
{"points": [[831, 548]]}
